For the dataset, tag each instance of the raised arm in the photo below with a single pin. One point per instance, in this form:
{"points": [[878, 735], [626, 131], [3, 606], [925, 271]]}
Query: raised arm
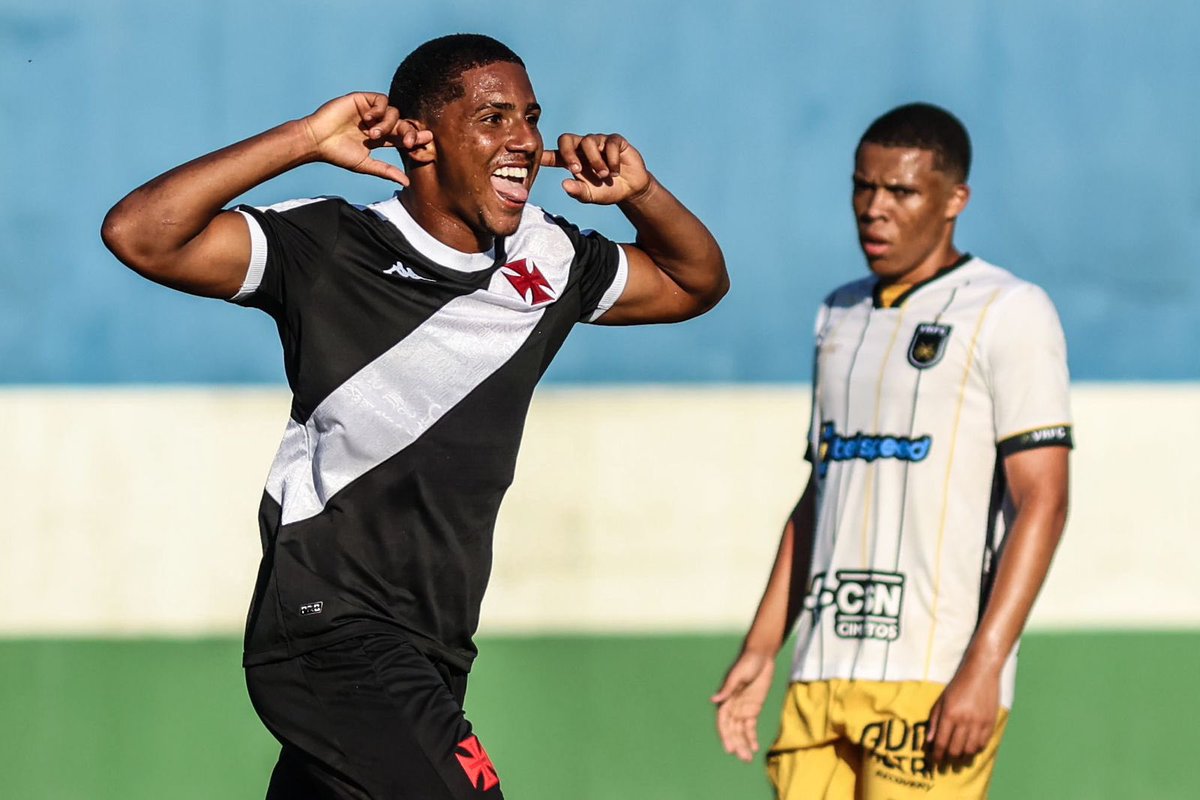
{"points": [[963, 719], [172, 230], [748, 681], [676, 268]]}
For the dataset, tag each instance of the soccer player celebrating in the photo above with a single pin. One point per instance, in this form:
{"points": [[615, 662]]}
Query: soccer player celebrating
{"points": [[413, 331], [939, 438]]}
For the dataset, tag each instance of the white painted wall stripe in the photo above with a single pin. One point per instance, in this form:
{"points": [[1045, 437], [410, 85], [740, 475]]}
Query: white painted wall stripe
{"points": [[643, 509]]}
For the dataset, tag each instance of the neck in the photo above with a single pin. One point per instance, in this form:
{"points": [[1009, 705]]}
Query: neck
{"points": [[440, 222], [930, 266]]}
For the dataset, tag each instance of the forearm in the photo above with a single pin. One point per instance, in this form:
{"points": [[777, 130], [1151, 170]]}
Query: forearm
{"points": [[155, 222], [1020, 574], [678, 243], [766, 632], [780, 602]]}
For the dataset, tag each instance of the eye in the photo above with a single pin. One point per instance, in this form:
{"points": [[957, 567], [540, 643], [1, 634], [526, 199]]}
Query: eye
{"points": [[492, 119], [902, 191]]}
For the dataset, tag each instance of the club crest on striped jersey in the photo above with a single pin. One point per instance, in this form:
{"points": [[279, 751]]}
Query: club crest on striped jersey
{"points": [[928, 344], [529, 281]]}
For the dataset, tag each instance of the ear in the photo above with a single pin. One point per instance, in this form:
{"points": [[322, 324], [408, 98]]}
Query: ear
{"points": [[960, 195], [425, 153]]}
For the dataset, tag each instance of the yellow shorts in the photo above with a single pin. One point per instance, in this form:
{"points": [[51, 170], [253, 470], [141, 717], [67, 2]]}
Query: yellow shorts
{"points": [[864, 740]]}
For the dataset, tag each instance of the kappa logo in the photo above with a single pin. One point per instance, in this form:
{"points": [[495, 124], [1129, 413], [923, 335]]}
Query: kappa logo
{"points": [[476, 763], [525, 277], [928, 344], [866, 603], [402, 271]]}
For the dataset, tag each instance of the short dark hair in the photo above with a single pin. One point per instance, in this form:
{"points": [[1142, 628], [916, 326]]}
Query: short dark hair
{"points": [[926, 127], [431, 75]]}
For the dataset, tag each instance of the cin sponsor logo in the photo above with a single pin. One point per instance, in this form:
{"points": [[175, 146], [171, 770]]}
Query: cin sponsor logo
{"points": [[866, 603], [835, 447]]}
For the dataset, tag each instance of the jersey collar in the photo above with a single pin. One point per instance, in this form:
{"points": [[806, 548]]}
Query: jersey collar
{"points": [[394, 212], [899, 301]]}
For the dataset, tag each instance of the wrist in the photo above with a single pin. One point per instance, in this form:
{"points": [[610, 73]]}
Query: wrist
{"points": [[760, 644], [640, 197], [982, 657], [302, 141]]}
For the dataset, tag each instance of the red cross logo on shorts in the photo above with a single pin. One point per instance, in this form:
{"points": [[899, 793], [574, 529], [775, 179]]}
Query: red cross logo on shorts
{"points": [[475, 762], [526, 277]]}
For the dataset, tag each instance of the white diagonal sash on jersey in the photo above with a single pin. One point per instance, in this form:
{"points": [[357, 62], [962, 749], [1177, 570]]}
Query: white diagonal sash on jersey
{"points": [[372, 416]]}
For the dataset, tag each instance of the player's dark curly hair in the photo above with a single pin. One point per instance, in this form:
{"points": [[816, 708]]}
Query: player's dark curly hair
{"points": [[927, 127], [431, 75]]}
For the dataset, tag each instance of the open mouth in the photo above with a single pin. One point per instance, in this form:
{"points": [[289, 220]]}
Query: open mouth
{"points": [[509, 184]]}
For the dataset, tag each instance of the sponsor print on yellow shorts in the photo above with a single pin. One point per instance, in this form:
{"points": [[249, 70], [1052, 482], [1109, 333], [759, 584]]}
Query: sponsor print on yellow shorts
{"points": [[865, 740]]}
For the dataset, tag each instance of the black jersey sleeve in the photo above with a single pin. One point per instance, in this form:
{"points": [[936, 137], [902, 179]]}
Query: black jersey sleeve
{"points": [[290, 246], [602, 270]]}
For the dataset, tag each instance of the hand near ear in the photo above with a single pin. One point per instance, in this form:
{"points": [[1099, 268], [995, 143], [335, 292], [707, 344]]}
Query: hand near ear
{"points": [[345, 131]]}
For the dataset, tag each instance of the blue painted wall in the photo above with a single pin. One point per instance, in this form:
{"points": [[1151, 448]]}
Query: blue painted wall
{"points": [[1084, 116]]}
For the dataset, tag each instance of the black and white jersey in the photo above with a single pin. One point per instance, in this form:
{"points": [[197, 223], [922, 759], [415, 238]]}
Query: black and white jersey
{"points": [[914, 408], [411, 367]]}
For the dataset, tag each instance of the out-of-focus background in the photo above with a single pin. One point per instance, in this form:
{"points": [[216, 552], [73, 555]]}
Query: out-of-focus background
{"points": [[659, 463]]}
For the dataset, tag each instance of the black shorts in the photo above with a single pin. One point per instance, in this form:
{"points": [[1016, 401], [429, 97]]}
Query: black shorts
{"points": [[370, 717]]}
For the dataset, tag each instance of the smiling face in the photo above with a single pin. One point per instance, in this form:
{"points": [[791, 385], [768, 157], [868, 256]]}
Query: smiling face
{"points": [[486, 152], [906, 210]]}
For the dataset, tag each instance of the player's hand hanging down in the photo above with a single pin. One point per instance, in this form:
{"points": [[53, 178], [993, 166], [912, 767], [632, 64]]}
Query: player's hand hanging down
{"points": [[346, 129], [606, 168], [740, 700]]}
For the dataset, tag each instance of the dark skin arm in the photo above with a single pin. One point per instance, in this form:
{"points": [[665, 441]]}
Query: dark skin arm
{"points": [[962, 721], [676, 268], [172, 230], [740, 699]]}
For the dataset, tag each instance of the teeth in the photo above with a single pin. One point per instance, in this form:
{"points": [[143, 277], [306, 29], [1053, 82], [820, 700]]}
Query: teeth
{"points": [[519, 173]]}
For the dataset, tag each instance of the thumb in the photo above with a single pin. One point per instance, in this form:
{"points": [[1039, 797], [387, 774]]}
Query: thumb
{"points": [[728, 688], [577, 189], [935, 715]]}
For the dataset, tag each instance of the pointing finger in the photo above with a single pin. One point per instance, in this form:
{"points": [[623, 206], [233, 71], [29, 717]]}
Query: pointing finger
{"points": [[568, 147]]}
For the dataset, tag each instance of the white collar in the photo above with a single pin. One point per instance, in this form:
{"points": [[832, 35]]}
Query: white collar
{"points": [[394, 212]]}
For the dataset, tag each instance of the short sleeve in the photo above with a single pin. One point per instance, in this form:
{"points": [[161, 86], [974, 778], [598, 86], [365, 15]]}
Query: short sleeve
{"points": [[814, 422], [602, 268], [289, 246], [1025, 360]]}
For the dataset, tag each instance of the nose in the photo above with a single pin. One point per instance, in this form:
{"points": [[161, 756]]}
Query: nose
{"points": [[873, 204], [525, 137]]}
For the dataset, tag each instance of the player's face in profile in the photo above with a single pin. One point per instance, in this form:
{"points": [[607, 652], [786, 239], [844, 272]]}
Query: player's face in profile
{"points": [[489, 148], [905, 210]]}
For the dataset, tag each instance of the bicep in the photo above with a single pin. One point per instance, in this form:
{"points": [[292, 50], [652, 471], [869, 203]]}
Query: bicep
{"points": [[649, 295], [215, 261], [212, 263], [1038, 479]]}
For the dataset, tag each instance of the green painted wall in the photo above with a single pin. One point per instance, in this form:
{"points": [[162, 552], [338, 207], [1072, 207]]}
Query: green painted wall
{"points": [[1099, 715]]}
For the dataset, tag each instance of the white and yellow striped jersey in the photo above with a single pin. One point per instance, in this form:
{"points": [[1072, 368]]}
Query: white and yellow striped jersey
{"points": [[914, 408]]}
